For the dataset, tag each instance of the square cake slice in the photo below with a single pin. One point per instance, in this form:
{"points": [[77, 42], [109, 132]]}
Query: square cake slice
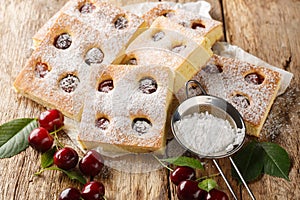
{"points": [[126, 107], [249, 88], [165, 40], [195, 24], [54, 75]]}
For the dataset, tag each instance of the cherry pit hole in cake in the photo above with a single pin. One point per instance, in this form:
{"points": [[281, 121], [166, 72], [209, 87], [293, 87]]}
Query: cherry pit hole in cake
{"points": [[198, 24], [158, 36], [147, 85], [241, 100], [131, 61], [167, 13], [69, 83], [178, 48], [254, 78], [121, 22], [213, 68], [106, 86], [141, 126], [102, 123], [63, 41], [94, 56], [87, 8], [41, 69]]}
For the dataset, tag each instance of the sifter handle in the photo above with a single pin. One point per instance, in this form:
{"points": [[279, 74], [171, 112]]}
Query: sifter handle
{"points": [[198, 84], [242, 179], [225, 179]]}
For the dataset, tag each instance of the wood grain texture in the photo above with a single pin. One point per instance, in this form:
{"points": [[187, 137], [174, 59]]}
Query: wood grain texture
{"points": [[268, 29]]}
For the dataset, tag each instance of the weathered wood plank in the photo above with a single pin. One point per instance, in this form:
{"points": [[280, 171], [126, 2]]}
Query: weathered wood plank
{"points": [[267, 29]]}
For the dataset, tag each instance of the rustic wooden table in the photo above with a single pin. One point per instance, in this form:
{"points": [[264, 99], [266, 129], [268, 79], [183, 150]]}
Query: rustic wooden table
{"points": [[268, 29]]}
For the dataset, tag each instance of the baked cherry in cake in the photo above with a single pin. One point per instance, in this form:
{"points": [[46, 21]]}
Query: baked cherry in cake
{"points": [[254, 78], [106, 86], [40, 139], [66, 158], [213, 69], [87, 8], [141, 125], [51, 119], [178, 48], [102, 123], [91, 164], [121, 23], [158, 36], [241, 101], [69, 83], [182, 173], [94, 56], [63, 41], [197, 25], [148, 85], [70, 194], [41, 69], [93, 190], [132, 61]]}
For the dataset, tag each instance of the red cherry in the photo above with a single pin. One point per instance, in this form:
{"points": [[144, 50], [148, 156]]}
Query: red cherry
{"points": [[182, 173], [51, 119], [40, 139], [93, 190], [66, 158], [70, 194], [215, 194], [189, 190], [91, 164]]}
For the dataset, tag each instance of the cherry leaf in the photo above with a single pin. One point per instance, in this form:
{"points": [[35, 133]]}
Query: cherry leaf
{"points": [[276, 160], [249, 161], [72, 174], [14, 136], [47, 158], [207, 184], [184, 161]]}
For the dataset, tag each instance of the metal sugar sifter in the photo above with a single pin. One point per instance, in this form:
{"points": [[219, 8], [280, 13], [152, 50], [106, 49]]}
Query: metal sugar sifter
{"points": [[217, 107]]}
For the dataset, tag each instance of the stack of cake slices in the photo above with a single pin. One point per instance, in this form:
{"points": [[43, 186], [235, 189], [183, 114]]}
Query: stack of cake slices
{"points": [[117, 73]]}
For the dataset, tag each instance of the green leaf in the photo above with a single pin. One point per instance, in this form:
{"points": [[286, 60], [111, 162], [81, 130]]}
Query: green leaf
{"points": [[207, 184], [276, 160], [184, 161], [14, 136], [47, 158], [249, 161], [72, 174]]}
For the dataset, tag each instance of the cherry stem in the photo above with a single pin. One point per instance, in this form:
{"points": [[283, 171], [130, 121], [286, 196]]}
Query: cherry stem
{"points": [[206, 177], [58, 143], [163, 164]]}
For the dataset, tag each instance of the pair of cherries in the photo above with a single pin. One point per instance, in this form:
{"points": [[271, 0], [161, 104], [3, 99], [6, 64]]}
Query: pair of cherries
{"points": [[67, 158], [187, 188]]}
